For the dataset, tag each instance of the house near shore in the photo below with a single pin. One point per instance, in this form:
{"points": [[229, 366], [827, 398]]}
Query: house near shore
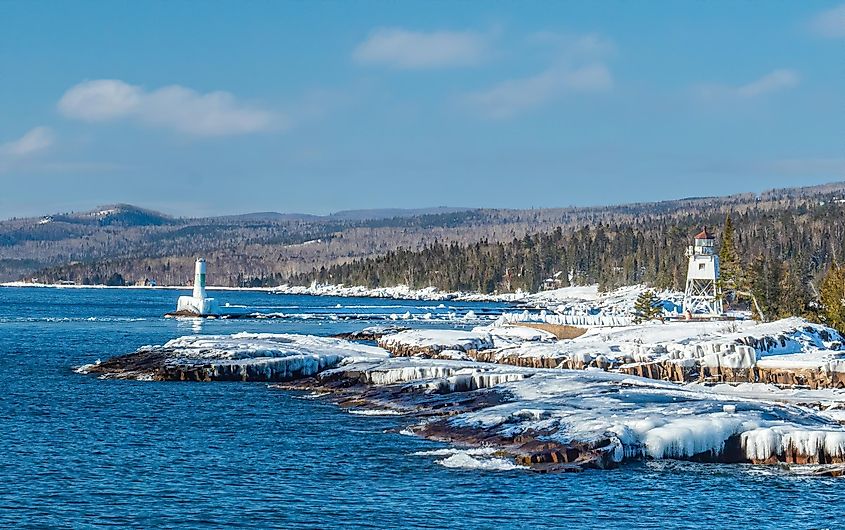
{"points": [[552, 283]]}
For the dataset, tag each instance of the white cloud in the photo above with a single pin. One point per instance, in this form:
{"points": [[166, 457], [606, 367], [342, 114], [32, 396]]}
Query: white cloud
{"points": [[775, 81], [513, 96], [34, 141], [401, 48], [586, 45], [771, 82], [830, 23], [171, 107]]}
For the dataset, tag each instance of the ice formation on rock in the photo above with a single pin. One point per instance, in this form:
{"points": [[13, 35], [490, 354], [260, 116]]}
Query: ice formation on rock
{"points": [[242, 356], [616, 416], [531, 408], [433, 341]]}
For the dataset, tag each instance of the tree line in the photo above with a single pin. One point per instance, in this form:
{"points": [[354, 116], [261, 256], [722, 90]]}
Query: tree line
{"points": [[784, 260]]}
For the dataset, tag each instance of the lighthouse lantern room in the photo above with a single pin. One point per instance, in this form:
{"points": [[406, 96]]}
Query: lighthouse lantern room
{"points": [[702, 295]]}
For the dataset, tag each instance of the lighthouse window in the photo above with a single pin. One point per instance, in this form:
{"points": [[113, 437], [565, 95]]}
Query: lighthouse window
{"points": [[701, 266]]}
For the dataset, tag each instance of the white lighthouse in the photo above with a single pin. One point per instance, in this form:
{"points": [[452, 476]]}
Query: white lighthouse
{"points": [[702, 294], [198, 303]]}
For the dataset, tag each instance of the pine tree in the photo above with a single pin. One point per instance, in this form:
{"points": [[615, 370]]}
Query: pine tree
{"points": [[647, 307], [730, 270], [793, 294], [832, 298], [764, 280]]}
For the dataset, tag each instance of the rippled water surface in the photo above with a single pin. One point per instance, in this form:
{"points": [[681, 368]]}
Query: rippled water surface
{"points": [[76, 451]]}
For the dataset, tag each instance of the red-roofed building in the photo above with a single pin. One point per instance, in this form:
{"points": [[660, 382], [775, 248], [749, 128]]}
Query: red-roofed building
{"points": [[704, 234]]}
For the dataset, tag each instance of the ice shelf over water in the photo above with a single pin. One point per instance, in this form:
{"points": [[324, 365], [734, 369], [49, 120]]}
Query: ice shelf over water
{"points": [[625, 417], [514, 386], [242, 356]]}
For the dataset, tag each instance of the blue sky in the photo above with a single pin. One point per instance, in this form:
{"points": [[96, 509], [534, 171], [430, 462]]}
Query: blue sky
{"points": [[198, 108]]}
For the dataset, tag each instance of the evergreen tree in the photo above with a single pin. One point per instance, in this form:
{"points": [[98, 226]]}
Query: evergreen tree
{"points": [[647, 307], [793, 295], [730, 273], [832, 298], [764, 279]]}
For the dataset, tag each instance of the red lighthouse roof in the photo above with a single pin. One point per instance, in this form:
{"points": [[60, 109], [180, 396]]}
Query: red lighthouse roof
{"points": [[704, 234]]}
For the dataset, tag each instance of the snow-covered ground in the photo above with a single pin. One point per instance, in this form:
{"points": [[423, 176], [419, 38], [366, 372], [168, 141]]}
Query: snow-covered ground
{"points": [[399, 292], [243, 356], [627, 417], [742, 344], [575, 300], [600, 410]]}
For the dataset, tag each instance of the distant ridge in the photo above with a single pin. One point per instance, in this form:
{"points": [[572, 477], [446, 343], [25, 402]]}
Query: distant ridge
{"points": [[131, 215], [348, 215], [265, 248], [113, 214]]}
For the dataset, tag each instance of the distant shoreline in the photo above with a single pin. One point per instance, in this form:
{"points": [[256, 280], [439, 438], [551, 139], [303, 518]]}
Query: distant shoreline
{"points": [[150, 287]]}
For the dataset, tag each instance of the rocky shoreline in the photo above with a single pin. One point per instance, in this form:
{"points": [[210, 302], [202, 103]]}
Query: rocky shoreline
{"points": [[544, 412]]}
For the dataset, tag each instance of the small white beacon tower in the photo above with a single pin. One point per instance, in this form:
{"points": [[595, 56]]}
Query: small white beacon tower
{"points": [[198, 303], [702, 294]]}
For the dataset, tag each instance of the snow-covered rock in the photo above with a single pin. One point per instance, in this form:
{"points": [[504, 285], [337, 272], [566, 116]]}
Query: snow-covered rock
{"points": [[512, 335], [602, 419], [430, 342], [242, 356]]}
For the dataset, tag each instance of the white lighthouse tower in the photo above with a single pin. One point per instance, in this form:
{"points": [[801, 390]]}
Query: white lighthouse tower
{"points": [[198, 303], [702, 295]]}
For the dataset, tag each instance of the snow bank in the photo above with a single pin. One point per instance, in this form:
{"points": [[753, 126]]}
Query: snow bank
{"points": [[572, 302], [433, 341], [510, 335], [822, 360], [399, 292], [722, 348]]}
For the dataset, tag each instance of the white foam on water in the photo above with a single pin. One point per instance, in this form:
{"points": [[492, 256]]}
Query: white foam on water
{"points": [[374, 412], [462, 460], [86, 368], [449, 451]]}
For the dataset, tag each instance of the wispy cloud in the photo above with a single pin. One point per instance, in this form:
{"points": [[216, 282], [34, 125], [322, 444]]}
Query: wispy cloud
{"points": [[579, 67], [830, 23], [514, 96], [775, 81], [34, 141], [575, 45], [406, 49], [171, 107]]}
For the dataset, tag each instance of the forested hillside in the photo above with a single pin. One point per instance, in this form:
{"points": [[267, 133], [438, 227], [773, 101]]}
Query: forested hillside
{"points": [[794, 237], [454, 249]]}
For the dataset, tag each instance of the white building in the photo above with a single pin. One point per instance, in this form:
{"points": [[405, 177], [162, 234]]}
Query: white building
{"points": [[198, 303], [702, 295]]}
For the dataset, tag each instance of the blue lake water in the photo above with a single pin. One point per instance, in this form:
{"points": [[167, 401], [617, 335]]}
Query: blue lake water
{"points": [[79, 452]]}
